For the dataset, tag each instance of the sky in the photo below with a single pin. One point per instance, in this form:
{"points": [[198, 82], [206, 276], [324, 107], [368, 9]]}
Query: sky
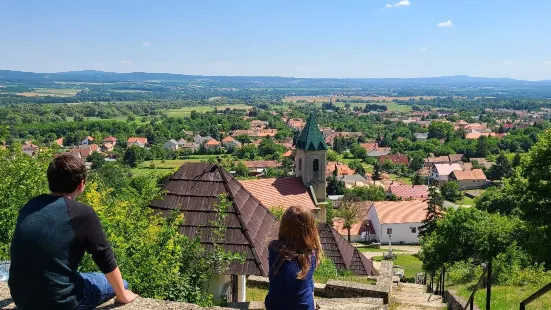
{"points": [[323, 38]]}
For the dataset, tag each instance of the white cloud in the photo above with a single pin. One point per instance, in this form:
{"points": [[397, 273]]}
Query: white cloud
{"points": [[547, 62], [399, 4], [508, 62], [146, 43], [423, 49], [447, 23], [126, 62], [402, 3]]}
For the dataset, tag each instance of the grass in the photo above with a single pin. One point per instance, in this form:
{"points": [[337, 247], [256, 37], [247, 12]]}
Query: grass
{"points": [[186, 111], [376, 250], [350, 278], [411, 264], [399, 178], [120, 118], [505, 297], [39, 92], [466, 201], [256, 293]]}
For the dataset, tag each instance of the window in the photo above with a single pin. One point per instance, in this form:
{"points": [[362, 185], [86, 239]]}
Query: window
{"points": [[413, 230], [389, 231], [300, 164], [316, 165]]}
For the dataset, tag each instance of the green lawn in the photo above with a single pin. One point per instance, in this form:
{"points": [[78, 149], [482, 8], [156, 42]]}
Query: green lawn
{"points": [[399, 178], [376, 250], [411, 264], [466, 201], [505, 297], [186, 111], [350, 278], [256, 293]]}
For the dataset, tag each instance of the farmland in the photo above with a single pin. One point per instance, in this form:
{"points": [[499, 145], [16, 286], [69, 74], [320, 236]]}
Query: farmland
{"points": [[316, 99], [55, 92], [186, 111], [391, 106]]}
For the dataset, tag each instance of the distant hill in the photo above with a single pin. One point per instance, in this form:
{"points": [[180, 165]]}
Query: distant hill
{"points": [[259, 81]]}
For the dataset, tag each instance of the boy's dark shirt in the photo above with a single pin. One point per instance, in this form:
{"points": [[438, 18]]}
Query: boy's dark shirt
{"points": [[50, 238]]}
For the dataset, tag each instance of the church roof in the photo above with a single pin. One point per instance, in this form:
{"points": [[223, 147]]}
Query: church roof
{"points": [[311, 138]]}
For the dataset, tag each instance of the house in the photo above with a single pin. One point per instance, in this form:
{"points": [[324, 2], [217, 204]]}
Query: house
{"points": [[87, 140], [138, 141], [369, 146], [476, 134], [471, 179], [421, 136], [259, 124], [108, 144], [192, 146], [230, 142], [449, 159], [342, 169], [59, 142], [171, 145], [379, 152], [396, 159], [353, 180], [483, 161], [212, 144], [257, 167], [83, 151], [441, 172], [409, 192], [29, 148], [398, 221], [200, 140], [296, 123]]}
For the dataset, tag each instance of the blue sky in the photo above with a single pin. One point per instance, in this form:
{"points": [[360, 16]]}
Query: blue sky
{"points": [[364, 38]]}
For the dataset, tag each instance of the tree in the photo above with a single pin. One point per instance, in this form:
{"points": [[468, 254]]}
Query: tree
{"points": [[96, 159], [357, 166], [365, 193], [270, 150], [329, 212], [358, 151], [440, 130], [248, 151], [243, 139], [340, 145], [417, 160], [417, 179], [482, 148], [450, 191], [516, 160], [434, 212], [501, 169], [332, 155], [241, 169], [349, 211], [334, 185], [388, 165], [376, 171], [133, 156]]}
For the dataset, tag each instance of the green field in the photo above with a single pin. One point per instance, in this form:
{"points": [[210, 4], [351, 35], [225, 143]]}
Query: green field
{"points": [[186, 111], [392, 106], [376, 250], [505, 297], [38, 92]]}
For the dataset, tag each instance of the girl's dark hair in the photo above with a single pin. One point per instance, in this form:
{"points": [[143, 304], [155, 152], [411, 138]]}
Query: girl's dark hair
{"points": [[298, 239], [65, 173]]}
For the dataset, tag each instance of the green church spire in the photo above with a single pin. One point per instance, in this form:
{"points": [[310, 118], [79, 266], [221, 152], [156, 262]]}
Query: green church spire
{"points": [[311, 138]]}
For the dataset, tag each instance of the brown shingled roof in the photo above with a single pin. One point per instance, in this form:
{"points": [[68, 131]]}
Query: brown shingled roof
{"points": [[397, 212], [342, 253], [475, 174], [194, 190]]}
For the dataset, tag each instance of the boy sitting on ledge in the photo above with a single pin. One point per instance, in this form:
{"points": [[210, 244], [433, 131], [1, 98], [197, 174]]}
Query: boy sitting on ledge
{"points": [[52, 232]]}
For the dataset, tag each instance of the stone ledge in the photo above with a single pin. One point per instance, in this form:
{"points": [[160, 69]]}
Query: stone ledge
{"points": [[6, 303], [345, 289], [264, 282]]}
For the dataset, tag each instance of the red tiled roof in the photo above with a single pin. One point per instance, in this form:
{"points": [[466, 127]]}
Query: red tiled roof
{"points": [[90, 138], [212, 142], [110, 139], [397, 212], [137, 139], [475, 174], [396, 159], [409, 191], [228, 139], [282, 192], [258, 164], [289, 153], [342, 169], [358, 227], [59, 141]]}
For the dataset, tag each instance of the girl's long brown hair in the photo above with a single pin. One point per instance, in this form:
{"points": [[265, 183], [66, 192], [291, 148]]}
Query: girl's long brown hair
{"points": [[298, 239]]}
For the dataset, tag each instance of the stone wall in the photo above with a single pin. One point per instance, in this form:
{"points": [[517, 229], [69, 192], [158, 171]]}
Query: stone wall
{"points": [[383, 288], [456, 302]]}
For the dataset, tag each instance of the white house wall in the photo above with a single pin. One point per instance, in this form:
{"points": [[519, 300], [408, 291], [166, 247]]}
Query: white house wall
{"points": [[401, 233]]}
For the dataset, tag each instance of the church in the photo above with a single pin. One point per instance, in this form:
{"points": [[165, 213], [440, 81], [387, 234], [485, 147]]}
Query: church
{"points": [[195, 188]]}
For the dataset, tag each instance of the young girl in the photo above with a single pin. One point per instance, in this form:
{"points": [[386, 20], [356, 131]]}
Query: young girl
{"points": [[293, 259]]}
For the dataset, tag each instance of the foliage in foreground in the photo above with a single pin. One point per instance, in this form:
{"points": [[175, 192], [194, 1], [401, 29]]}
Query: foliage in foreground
{"points": [[155, 259]]}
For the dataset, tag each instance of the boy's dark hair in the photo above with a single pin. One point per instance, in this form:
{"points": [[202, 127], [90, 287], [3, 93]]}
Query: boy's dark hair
{"points": [[65, 173]]}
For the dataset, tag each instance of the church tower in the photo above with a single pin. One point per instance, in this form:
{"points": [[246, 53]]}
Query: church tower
{"points": [[311, 160]]}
